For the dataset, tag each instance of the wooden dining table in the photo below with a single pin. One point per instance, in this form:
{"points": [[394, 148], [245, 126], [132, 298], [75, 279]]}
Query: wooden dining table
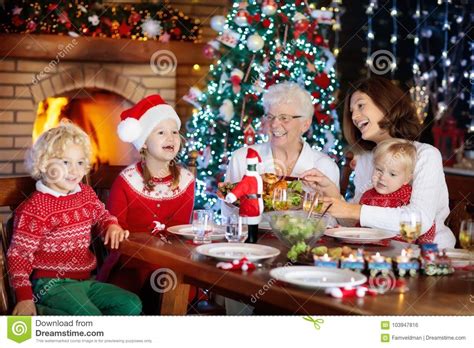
{"points": [[422, 295]]}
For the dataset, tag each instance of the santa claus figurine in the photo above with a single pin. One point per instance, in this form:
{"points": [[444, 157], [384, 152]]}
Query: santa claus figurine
{"points": [[249, 190]]}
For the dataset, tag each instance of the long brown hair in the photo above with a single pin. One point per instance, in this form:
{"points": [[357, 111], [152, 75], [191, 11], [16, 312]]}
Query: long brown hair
{"points": [[400, 119]]}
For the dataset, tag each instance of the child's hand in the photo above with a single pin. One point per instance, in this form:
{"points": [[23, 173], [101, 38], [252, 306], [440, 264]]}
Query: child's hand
{"points": [[26, 307], [115, 234]]}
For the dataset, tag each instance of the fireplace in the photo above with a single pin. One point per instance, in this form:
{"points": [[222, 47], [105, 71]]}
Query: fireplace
{"points": [[91, 83]]}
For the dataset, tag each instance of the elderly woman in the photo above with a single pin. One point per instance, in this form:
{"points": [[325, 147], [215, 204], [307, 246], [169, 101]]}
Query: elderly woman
{"points": [[374, 111], [288, 115]]}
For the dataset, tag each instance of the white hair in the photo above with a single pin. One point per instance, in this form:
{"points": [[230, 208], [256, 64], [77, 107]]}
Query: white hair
{"points": [[289, 93]]}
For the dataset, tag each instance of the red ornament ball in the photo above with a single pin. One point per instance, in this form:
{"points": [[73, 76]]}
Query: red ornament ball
{"points": [[322, 80]]}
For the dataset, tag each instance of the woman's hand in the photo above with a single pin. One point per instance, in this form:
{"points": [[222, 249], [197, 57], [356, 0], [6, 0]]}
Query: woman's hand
{"points": [[318, 181], [340, 209], [115, 235], [26, 307]]}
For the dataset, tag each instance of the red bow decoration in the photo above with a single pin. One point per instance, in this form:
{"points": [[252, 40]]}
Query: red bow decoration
{"points": [[237, 265]]}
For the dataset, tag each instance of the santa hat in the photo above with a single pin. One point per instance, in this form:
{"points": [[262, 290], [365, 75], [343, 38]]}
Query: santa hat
{"points": [[140, 120], [253, 157]]}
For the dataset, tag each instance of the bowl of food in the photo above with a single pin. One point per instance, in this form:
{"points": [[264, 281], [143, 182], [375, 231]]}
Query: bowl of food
{"points": [[296, 230]]}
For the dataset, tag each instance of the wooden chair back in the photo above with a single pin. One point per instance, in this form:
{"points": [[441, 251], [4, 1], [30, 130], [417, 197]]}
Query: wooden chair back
{"points": [[461, 201], [346, 172], [13, 191]]}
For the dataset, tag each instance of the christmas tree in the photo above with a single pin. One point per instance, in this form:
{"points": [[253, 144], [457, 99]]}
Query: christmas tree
{"points": [[260, 43]]}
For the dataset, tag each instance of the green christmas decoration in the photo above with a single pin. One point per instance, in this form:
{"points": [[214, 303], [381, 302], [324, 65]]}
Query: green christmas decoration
{"points": [[147, 21], [260, 43]]}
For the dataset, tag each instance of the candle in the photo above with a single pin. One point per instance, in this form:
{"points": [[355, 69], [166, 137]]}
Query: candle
{"points": [[378, 258], [325, 258], [404, 256]]}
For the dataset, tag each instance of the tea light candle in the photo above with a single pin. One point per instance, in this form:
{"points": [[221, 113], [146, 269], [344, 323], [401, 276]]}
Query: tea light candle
{"points": [[325, 258], [378, 258], [404, 256]]}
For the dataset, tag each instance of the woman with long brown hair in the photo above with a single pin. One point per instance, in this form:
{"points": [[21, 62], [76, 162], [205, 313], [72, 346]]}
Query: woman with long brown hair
{"points": [[376, 110]]}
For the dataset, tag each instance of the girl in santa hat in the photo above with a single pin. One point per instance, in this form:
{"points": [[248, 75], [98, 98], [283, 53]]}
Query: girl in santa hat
{"points": [[153, 194]]}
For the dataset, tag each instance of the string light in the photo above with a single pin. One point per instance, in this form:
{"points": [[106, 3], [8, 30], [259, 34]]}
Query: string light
{"points": [[393, 37], [373, 5]]}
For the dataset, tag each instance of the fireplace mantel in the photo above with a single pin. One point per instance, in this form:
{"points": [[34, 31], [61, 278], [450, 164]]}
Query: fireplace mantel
{"points": [[46, 47]]}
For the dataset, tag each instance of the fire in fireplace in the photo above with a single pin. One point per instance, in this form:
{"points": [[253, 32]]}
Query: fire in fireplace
{"points": [[97, 113]]}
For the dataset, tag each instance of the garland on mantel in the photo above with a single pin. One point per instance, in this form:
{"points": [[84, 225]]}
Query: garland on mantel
{"points": [[144, 21]]}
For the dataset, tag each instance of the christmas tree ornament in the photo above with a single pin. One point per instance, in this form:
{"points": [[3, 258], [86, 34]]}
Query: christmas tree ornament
{"points": [[124, 29], [242, 18], [151, 28], [217, 23], [236, 76], [211, 48], [301, 24], [323, 17], [249, 134], [31, 26], [165, 38], [226, 111], [134, 18], [192, 97], [205, 157], [255, 43], [94, 20], [269, 7], [229, 38], [322, 80]]}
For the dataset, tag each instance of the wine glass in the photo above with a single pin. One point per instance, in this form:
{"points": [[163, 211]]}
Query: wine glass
{"points": [[410, 224], [466, 239], [309, 197], [280, 199]]}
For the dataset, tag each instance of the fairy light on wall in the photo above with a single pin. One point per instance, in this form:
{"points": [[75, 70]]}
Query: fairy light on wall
{"points": [[336, 27], [393, 37], [370, 33]]}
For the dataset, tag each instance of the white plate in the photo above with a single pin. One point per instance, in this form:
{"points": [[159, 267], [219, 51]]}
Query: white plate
{"points": [[186, 231], [232, 251], [317, 277], [359, 235], [459, 257]]}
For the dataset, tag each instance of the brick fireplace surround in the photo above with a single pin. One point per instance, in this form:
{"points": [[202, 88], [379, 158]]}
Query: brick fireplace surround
{"points": [[33, 68]]}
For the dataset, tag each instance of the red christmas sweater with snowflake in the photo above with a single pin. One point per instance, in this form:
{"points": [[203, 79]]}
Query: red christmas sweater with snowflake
{"points": [[141, 210], [137, 209], [396, 199], [51, 238]]}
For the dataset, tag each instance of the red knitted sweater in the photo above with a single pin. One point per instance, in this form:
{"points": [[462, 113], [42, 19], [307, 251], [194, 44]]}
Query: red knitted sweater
{"points": [[399, 198], [51, 238]]}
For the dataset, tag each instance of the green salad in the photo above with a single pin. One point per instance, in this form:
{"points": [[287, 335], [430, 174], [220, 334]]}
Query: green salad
{"points": [[297, 230]]}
